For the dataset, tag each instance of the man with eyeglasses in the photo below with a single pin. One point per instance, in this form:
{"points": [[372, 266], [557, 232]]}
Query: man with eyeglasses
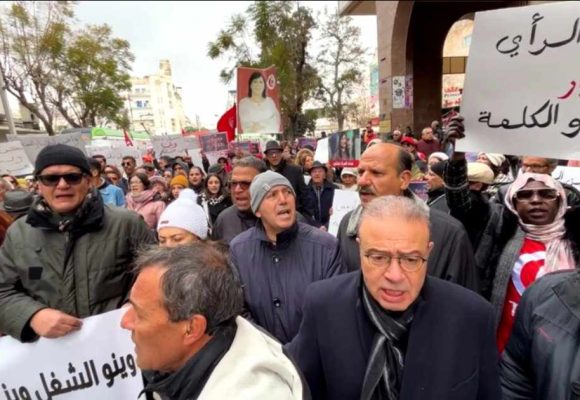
{"points": [[390, 330], [70, 257], [129, 165], [279, 257], [239, 216]]}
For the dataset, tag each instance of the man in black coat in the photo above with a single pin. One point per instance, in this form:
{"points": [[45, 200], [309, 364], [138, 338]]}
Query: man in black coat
{"points": [[385, 169], [293, 173], [321, 191], [390, 331]]}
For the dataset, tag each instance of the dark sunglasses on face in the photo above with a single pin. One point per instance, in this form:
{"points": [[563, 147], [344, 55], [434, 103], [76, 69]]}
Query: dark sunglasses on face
{"points": [[126, 164], [545, 194], [244, 185], [74, 178]]}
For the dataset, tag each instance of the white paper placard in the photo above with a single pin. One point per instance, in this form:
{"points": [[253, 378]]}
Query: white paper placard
{"points": [[97, 362], [13, 159], [343, 202], [522, 87]]}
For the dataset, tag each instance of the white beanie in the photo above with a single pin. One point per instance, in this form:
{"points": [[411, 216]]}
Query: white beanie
{"points": [[186, 214]]}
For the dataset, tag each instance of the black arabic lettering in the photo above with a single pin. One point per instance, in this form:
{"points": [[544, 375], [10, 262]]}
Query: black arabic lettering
{"points": [[108, 374], [574, 124], [536, 18], [559, 43], [131, 364], [513, 51]]}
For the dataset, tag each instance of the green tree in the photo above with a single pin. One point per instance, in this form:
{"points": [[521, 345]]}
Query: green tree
{"points": [[282, 35], [340, 64], [53, 70]]}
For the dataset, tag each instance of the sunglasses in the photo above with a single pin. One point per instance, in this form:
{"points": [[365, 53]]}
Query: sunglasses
{"points": [[528, 195], [244, 185], [126, 164], [74, 178]]}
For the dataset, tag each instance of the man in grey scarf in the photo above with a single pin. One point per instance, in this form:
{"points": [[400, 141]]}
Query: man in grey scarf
{"points": [[385, 169], [390, 331]]}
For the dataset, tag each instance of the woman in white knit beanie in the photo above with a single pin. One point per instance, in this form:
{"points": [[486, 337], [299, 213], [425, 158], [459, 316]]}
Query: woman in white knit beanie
{"points": [[183, 221]]}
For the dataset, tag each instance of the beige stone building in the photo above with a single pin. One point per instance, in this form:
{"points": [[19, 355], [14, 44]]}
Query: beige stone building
{"points": [[416, 74], [154, 103]]}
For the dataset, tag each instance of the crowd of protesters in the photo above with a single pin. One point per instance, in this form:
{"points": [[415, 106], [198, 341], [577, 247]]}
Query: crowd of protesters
{"points": [[239, 291]]}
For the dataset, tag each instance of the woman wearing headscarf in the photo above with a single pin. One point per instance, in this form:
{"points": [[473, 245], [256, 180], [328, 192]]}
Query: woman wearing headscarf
{"points": [[528, 236]]}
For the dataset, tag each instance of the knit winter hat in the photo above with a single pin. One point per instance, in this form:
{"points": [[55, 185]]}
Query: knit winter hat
{"points": [[479, 172], [179, 180], [495, 159], [61, 154], [263, 183], [186, 214]]}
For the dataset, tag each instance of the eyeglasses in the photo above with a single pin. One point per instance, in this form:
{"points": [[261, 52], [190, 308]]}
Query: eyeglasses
{"points": [[544, 194], [74, 178], [126, 163], [244, 185], [410, 263]]}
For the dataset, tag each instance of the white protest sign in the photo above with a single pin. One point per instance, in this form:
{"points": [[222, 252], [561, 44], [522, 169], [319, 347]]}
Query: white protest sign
{"points": [[34, 143], [321, 152], [343, 202], [522, 85], [113, 151], [173, 145], [96, 362], [569, 175], [196, 158], [214, 156], [13, 159]]}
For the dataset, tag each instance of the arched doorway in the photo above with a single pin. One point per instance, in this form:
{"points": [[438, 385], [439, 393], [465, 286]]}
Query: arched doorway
{"points": [[417, 32]]}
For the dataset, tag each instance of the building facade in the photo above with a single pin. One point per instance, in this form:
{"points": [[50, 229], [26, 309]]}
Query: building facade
{"points": [[155, 103], [412, 66]]}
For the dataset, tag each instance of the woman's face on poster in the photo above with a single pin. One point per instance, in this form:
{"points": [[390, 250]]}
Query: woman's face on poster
{"points": [[257, 86], [343, 141]]}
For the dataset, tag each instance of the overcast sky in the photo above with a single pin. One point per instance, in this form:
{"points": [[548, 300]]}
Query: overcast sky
{"points": [[180, 32]]}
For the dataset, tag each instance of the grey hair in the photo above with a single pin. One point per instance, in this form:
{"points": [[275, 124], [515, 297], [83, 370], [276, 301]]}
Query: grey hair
{"points": [[251, 162], [397, 206], [199, 279]]}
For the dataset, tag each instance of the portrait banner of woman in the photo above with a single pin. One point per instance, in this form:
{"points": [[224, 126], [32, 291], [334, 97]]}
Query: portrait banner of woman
{"points": [[258, 100], [345, 148]]}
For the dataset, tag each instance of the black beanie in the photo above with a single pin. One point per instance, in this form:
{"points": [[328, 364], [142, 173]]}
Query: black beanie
{"points": [[61, 154]]}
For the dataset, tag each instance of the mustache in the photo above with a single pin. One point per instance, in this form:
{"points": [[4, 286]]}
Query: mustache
{"points": [[366, 190]]}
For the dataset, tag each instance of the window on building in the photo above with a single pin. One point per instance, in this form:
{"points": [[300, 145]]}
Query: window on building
{"points": [[139, 104]]}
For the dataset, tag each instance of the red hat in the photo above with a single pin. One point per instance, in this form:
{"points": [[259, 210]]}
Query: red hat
{"points": [[409, 140]]}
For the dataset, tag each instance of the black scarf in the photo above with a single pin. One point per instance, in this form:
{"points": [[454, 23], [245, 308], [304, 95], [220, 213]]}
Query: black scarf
{"points": [[384, 371], [188, 382]]}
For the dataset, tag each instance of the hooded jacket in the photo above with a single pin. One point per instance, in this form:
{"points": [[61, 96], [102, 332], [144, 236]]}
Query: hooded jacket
{"points": [[77, 264]]}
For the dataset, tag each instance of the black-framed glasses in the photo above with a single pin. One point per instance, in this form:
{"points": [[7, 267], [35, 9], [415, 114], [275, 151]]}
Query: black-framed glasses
{"points": [[244, 185], [409, 262], [73, 178], [544, 194]]}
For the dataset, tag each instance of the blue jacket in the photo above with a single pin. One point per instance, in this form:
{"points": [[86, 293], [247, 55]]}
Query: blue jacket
{"points": [[275, 277], [112, 195], [451, 352]]}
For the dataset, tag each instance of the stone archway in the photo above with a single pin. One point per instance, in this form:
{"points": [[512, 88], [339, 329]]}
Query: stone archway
{"points": [[411, 38]]}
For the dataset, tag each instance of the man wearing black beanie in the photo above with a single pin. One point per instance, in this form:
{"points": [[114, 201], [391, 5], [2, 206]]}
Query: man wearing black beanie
{"points": [[68, 258]]}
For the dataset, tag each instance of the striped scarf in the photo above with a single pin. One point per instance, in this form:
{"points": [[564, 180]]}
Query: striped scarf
{"points": [[382, 379]]}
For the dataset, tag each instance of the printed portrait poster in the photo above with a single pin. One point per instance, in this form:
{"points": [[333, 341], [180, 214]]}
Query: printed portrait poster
{"points": [[304, 141], [345, 148], [246, 145], [213, 142], [258, 101]]}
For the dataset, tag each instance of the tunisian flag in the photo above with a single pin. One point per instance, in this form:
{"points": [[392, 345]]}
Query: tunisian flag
{"points": [[227, 123], [128, 141]]}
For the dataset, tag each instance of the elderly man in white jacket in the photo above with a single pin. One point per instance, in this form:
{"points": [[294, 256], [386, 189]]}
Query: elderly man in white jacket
{"points": [[189, 339]]}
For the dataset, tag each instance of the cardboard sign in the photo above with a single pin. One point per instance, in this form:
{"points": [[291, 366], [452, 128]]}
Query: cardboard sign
{"points": [[32, 144], [569, 175], [322, 154], [304, 141], [13, 160], [97, 362], [114, 151], [173, 145], [522, 87], [343, 202], [246, 146], [345, 148]]}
